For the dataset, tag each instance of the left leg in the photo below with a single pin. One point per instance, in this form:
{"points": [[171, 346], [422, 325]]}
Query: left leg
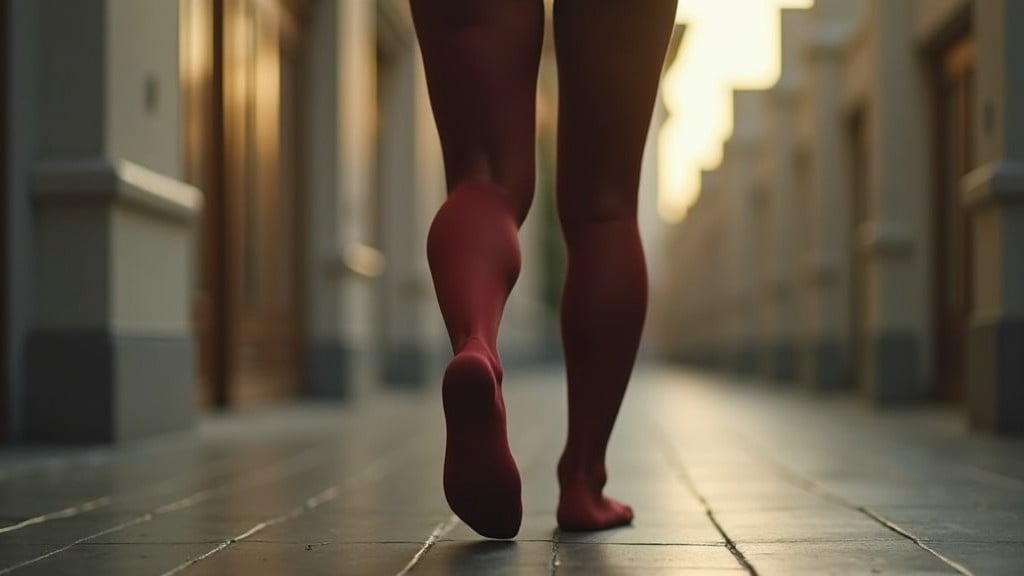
{"points": [[481, 59]]}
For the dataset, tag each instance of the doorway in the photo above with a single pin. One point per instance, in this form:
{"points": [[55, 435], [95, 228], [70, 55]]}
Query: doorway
{"points": [[240, 70], [951, 234]]}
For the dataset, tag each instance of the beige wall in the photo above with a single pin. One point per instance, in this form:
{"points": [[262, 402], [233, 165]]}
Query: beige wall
{"points": [[871, 59], [341, 266], [109, 249], [826, 190], [995, 193], [144, 109]]}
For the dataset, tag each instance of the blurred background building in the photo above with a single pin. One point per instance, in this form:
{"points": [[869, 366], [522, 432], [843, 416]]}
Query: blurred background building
{"points": [[865, 228], [224, 203]]}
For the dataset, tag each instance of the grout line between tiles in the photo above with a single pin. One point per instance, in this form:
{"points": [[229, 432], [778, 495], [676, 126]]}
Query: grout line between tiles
{"points": [[439, 532], [810, 486], [106, 501], [554, 554], [290, 466], [687, 481], [373, 472]]}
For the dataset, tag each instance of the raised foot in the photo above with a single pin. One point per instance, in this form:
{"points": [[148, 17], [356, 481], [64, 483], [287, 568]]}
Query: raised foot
{"points": [[481, 480], [586, 510]]}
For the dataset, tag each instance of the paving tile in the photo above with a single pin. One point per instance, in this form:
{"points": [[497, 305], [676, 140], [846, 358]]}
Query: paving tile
{"points": [[258, 559], [654, 529], [840, 558], [596, 557], [62, 531], [486, 557], [397, 492], [354, 526], [740, 445], [958, 524], [990, 559], [803, 525], [115, 560], [646, 570], [534, 528], [873, 493], [187, 526], [758, 495], [11, 554]]}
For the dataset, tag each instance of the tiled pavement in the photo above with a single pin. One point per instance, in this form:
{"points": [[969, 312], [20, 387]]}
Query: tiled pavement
{"points": [[725, 478]]}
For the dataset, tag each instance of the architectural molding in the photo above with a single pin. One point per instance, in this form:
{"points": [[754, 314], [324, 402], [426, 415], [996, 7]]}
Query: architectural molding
{"points": [[995, 184], [886, 238], [117, 182], [357, 260]]}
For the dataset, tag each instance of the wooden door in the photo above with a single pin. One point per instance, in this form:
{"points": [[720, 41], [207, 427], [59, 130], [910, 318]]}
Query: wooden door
{"points": [[951, 234], [242, 133]]}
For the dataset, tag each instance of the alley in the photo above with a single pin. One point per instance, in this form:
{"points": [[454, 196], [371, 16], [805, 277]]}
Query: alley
{"points": [[726, 477]]}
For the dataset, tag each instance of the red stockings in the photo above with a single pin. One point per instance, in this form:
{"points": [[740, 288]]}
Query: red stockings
{"points": [[481, 59]]}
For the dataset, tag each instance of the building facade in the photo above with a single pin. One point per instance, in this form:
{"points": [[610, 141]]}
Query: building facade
{"points": [[218, 203], [869, 204]]}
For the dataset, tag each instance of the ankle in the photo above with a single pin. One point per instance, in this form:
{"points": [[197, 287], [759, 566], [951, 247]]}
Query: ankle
{"points": [[576, 475], [477, 345]]}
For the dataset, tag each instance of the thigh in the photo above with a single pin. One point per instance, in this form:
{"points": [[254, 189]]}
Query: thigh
{"points": [[610, 58], [481, 59]]}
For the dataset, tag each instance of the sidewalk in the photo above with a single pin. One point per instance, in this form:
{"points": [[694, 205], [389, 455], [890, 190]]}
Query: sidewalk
{"points": [[725, 478]]}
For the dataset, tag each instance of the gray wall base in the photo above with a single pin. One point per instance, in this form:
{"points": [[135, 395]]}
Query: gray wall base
{"points": [[892, 369], [406, 366], [828, 369], [745, 362], [97, 387], [783, 362], [996, 372], [331, 367]]}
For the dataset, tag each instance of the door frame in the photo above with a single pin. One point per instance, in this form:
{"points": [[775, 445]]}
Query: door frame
{"points": [[953, 64], [4, 214], [294, 21], [859, 147], [212, 305]]}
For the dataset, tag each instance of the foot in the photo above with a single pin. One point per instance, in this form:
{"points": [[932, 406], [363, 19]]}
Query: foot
{"points": [[481, 480], [582, 509]]}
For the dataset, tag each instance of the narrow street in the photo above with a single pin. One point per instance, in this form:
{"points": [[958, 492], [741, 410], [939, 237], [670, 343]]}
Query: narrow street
{"points": [[725, 477]]}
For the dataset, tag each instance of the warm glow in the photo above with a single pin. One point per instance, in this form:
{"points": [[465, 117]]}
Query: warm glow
{"points": [[728, 44]]}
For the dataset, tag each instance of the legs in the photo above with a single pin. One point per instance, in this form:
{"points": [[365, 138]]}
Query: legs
{"points": [[481, 59], [610, 55]]}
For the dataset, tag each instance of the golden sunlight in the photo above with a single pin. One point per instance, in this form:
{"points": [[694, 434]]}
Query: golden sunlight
{"points": [[728, 44]]}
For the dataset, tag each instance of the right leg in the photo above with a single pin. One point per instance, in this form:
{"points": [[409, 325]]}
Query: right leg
{"points": [[610, 56], [481, 59]]}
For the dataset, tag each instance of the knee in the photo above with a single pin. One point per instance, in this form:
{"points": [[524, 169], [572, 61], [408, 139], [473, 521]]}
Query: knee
{"points": [[514, 196], [597, 204]]}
